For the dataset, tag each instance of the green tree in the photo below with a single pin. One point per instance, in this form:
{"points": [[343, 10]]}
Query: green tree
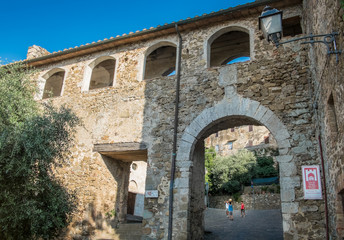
{"points": [[265, 167], [230, 172], [33, 141]]}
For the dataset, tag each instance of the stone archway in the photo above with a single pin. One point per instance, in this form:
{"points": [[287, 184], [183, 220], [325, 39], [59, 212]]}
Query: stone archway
{"points": [[236, 109]]}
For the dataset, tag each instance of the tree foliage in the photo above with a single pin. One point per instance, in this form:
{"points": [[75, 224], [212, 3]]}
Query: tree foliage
{"points": [[230, 172], [265, 167], [33, 140]]}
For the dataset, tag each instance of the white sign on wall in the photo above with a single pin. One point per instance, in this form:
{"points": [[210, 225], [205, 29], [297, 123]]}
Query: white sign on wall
{"points": [[152, 194], [311, 182]]}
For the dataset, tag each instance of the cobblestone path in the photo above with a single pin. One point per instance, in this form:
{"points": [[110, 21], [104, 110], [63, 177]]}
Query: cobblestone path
{"points": [[257, 225]]}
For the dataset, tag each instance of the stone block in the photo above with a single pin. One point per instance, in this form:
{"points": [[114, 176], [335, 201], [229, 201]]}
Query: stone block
{"points": [[183, 151], [284, 143], [230, 91], [284, 158], [286, 221], [287, 195], [300, 149], [183, 164], [188, 138], [268, 114], [228, 75], [206, 118], [282, 133], [260, 112], [220, 110], [245, 103], [311, 208], [290, 207], [252, 108], [234, 105], [199, 121], [287, 169], [193, 129], [181, 183], [290, 182]]}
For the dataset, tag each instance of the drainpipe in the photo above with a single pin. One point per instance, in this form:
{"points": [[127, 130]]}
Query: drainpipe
{"points": [[325, 192], [174, 151]]}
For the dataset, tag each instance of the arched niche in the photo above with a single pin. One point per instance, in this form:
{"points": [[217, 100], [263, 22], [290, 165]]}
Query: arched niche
{"points": [[103, 74], [228, 45], [99, 73], [160, 60], [53, 83]]}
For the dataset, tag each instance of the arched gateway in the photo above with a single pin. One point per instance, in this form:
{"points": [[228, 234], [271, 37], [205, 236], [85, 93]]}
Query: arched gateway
{"points": [[236, 111]]}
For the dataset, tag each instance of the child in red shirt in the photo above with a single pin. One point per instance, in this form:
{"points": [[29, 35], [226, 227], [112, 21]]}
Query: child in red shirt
{"points": [[242, 209]]}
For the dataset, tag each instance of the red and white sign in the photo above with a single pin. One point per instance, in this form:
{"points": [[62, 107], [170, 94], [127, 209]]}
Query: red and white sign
{"points": [[311, 182]]}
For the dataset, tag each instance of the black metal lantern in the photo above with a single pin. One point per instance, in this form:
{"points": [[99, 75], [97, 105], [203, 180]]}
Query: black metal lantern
{"points": [[270, 22]]}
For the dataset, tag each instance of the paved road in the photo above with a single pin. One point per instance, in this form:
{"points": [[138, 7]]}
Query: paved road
{"points": [[257, 225]]}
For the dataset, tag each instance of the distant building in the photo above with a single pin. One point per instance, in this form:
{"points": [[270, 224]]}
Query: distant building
{"points": [[230, 141]]}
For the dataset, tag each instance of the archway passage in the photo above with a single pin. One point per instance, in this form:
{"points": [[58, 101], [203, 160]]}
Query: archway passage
{"points": [[245, 171], [216, 221], [227, 114]]}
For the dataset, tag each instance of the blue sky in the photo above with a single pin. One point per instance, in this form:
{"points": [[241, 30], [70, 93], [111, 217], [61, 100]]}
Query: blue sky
{"points": [[56, 25]]}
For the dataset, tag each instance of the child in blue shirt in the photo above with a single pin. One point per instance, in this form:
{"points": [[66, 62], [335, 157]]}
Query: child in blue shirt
{"points": [[230, 210]]}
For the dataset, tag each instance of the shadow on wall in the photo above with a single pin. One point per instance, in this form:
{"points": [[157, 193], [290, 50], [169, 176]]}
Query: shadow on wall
{"points": [[104, 213]]}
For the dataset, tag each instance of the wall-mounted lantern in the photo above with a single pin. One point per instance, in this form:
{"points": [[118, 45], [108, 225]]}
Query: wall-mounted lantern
{"points": [[270, 22]]}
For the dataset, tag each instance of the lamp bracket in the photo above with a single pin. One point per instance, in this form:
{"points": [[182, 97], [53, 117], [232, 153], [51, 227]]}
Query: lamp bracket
{"points": [[328, 39]]}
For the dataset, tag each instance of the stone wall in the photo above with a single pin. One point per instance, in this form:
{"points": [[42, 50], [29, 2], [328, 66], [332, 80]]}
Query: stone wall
{"points": [[272, 89], [257, 201], [327, 97]]}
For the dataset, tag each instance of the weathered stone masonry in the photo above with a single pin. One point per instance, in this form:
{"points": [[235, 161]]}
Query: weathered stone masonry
{"points": [[273, 89], [327, 85]]}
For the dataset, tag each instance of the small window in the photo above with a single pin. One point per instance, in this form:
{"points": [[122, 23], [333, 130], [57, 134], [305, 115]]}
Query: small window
{"points": [[250, 128], [232, 129], [103, 74], [230, 145], [216, 148], [217, 134], [53, 85]]}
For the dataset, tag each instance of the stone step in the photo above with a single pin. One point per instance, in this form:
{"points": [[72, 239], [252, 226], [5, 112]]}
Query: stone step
{"points": [[125, 231], [132, 231]]}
